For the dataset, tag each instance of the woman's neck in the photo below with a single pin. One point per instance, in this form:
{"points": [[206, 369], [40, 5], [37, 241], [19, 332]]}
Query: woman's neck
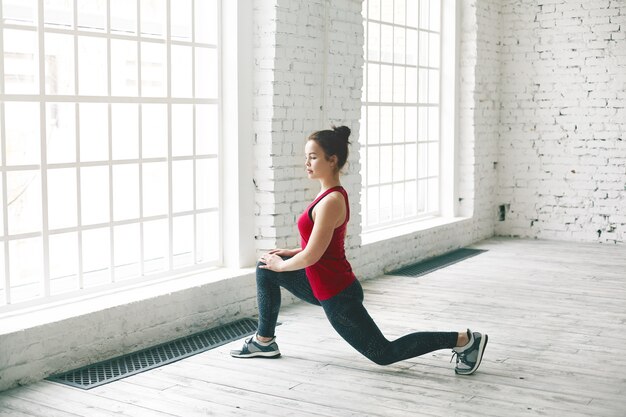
{"points": [[328, 183]]}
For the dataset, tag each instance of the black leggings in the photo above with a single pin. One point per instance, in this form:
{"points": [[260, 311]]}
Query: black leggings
{"points": [[346, 314]]}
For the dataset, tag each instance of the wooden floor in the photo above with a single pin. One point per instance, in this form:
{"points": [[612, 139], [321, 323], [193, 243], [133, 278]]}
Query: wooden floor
{"points": [[555, 314]]}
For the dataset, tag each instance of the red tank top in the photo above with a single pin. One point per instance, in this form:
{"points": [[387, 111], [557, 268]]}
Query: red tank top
{"points": [[332, 273]]}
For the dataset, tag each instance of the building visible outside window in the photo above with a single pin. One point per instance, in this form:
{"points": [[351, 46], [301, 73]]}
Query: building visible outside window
{"points": [[109, 143], [400, 115]]}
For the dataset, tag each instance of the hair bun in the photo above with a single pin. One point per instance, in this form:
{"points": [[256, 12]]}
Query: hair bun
{"points": [[343, 132]]}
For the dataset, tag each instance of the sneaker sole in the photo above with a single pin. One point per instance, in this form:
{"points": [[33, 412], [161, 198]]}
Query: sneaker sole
{"points": [[266, 355], [481, 350]]}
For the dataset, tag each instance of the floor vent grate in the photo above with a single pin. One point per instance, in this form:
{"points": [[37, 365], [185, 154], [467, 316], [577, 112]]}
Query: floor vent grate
{"points": [[438, 262], [113, 369]]}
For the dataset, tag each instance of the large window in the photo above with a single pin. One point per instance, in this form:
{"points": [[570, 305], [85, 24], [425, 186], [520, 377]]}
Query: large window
{"points": [[400, 124], [109, 143]]}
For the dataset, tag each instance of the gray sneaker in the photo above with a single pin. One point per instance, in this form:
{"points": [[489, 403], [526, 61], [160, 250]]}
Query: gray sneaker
{"points": [[252, 349], [468, 357]]}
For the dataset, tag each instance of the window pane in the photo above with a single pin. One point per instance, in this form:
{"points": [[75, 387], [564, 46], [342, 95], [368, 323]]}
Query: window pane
{"points": [[373, 125], [422, 164], [182, 183], [206, 21], [386, 43], [206, 73], [155, 189], [92, 14], [399, 35], [411, 161], [183, 241], [433, 123], [207, 188], [154, 130], [433, 50], [433, 86], [398, 162], [411, 124], [386, 10], [92, 66], [399, 88], [373, 164], [422, 124], [433, 194], [433, 159], [399, 12], [411, 47], [59, 64], [410, 198], [423, 86], [125, 131], [386, 83], [21, 121], [373, 82], [423, 48], [181, 62], [386, 120], [421, 196], [411, 13], [125, 192], [182, 129], [398, 124], [206, 129], [398, 201], [153, 17], [385, 203], [62, 208], [373, 200], [19, 11], [96, 257], [124, 16], [373, 41], [61, 132], [374, 9], [94, 128], [386, 164], [126, 251], [435, 15], [411, 85], [155, 246], [21, 62], [207, 232], [24, 201], [124, 68], [63, 249], [153, 69], [26, 261], [180, 18], [94, 188], [424, 15]]}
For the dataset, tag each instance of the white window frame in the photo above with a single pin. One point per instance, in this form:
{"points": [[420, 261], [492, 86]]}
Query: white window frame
{"points": [[446, 203], [234, 208]]}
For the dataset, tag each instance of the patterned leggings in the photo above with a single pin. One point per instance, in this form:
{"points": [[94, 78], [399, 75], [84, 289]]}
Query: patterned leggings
{"points": [[346, 314]]}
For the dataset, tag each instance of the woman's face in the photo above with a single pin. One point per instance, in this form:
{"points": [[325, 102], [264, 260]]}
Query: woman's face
{"points": [[317, 165]]}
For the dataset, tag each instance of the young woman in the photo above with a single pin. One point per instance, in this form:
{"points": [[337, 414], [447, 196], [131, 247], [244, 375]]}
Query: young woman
{"points": [[320, 274]]}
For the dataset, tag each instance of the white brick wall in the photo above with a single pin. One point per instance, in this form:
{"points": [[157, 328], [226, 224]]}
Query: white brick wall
{"points": [[312, 68], [562, 165]]}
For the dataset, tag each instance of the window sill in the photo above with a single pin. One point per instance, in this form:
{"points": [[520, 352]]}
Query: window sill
{"points": [[42, 314], [388, 233]]}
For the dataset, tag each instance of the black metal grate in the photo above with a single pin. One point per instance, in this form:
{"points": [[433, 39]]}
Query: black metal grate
{"points": [[113, 369], [438, 262]]}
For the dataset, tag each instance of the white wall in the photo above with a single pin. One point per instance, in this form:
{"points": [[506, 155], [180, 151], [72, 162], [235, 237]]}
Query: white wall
{"points": [[563, 120]]}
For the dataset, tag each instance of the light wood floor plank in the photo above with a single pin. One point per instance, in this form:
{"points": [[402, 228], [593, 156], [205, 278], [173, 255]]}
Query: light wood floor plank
{"points": [[554, 312]]}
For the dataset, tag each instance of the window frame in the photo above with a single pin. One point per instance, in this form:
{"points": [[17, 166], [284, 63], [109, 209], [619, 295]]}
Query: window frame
{"points": [[447, 125], [43, 98]]}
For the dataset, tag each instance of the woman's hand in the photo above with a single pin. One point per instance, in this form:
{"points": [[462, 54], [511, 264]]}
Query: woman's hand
{"points": [[272, 261], [285, 253]]}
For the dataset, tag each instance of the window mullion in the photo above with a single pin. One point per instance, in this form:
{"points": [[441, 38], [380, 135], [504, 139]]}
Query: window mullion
{"points": [[43, 151], [170, 203], [110, 149]]}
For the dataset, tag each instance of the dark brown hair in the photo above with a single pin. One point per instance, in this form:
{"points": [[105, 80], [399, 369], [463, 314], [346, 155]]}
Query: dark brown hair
{"points": [[334, 142]]}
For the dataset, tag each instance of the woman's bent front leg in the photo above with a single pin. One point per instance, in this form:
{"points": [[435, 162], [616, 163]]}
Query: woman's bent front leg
{"points": [[268, 295]]}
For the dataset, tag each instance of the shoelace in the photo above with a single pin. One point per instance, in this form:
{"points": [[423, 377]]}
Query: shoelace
{"points": [[459, 356]]}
